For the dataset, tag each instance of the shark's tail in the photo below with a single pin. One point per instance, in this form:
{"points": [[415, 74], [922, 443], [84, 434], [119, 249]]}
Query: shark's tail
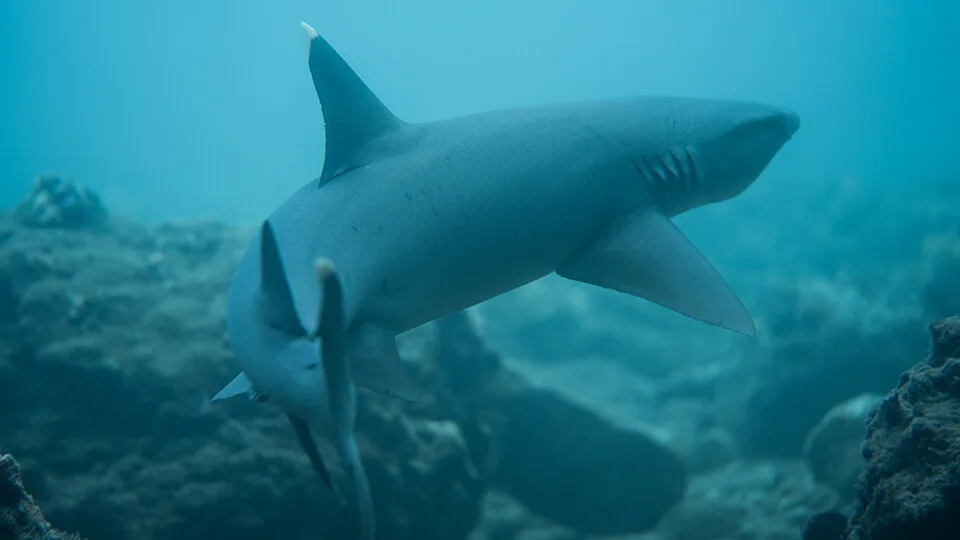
{"points": [[342, 392]]}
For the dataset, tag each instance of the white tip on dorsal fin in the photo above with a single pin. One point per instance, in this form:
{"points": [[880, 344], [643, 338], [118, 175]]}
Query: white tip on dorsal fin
{"points": [[354, 116], [311, 33]]}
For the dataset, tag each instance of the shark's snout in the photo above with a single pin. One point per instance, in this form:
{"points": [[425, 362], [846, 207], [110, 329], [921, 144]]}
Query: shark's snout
{"points": [[791, 122], [765, 134], [737, 156]]}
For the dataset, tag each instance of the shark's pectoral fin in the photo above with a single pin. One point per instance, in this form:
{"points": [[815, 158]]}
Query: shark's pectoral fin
{"points": [[302, 429], [376, 364], [276, 298], [239, 385], [646, 255], [354, 116]]}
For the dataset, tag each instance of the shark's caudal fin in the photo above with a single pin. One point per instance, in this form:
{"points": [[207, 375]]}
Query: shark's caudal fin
{"points": [[343, 400], [302, 429], [354, 116], [646, 255]]}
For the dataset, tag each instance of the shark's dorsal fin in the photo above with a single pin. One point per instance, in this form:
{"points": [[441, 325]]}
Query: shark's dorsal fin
{"points": [[353, 115], [276, 299]]}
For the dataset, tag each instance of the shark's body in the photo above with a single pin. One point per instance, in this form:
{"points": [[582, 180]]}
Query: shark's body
{"points": [[422, 220]]}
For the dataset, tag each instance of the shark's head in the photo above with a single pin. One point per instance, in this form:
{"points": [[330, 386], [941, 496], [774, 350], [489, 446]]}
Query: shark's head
{"points": [[692, 152], [736, 142]]}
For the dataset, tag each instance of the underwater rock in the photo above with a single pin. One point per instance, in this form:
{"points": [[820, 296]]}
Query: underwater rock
{"points": [[822, 344], [20, 517], [559, 459], [695, 433], [506, 519], [56, 202], [111, 344], [833, 448], [910, 487], [748, 500]]}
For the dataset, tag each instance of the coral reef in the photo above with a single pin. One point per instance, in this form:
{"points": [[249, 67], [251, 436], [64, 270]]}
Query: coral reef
{"points": [[910, 487], [20, 517]]}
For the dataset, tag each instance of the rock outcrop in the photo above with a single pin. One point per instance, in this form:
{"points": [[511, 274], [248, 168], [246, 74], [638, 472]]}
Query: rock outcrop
{"points": [[20, 517], [57, 202], [910, 487]]}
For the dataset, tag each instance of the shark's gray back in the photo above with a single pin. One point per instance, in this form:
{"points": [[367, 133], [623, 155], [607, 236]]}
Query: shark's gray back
{"points": [[529, 187]]}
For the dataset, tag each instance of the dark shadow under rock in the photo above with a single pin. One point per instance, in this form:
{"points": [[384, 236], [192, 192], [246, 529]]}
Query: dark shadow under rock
{"points": [[829, 525], [910, 487], [20, 517], [561, 460]]}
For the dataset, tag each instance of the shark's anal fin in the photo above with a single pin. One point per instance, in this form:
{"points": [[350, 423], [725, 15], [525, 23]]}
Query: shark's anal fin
{"points": [[331, 329], [302, 429], [376, 365], [275, 296], [646, 255], [354, 116]]}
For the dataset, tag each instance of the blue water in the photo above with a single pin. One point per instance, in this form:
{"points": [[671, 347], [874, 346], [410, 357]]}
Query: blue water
{"points": [[190, 110]]}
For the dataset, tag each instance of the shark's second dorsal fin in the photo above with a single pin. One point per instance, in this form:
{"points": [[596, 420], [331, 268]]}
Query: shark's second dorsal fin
{"points": [[353, 115]]}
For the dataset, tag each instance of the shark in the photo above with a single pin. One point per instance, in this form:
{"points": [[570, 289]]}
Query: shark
{"points": [[409, 222]]}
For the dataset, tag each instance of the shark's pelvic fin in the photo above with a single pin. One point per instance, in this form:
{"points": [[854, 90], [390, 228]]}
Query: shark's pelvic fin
{"points": [[302, 429], [239, 385], [353, 115], [647, 256], [275, 296], [331, 330], [376, 364]]}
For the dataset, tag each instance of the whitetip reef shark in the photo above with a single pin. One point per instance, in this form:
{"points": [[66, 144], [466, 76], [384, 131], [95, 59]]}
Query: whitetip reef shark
{"points": [[409, 222]]}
